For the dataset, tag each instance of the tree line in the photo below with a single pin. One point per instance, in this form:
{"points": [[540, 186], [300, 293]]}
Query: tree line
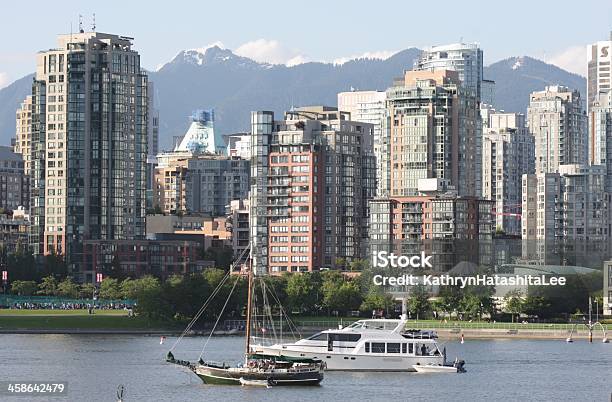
{"points": [[312, 293]]}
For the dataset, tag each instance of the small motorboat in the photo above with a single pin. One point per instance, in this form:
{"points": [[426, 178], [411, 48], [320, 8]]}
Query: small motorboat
{"points": [[455, 367], [256, 383]]}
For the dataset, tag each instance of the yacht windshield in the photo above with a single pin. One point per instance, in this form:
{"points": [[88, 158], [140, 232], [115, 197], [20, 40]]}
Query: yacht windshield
{"points": [[318, 337], [375, 324]]}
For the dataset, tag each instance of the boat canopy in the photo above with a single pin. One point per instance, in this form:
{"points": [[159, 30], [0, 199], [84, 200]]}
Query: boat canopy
{"points": [[282, 358], [383, 325]]}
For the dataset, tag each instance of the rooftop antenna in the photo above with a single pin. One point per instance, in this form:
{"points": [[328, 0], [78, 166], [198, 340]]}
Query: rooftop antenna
{"points": [[93, 25], [81, 24]]}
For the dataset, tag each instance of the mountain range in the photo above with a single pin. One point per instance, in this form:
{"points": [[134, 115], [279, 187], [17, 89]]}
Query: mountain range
{"points": [[234, 85]]}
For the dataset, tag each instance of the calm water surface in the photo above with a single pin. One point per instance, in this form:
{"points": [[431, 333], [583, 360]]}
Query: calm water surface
{"points": [[93, 366]]}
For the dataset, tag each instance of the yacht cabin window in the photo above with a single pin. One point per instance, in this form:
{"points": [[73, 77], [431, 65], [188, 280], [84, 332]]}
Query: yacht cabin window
{"points": [[393, 347], [378, 347], [375, 347]]}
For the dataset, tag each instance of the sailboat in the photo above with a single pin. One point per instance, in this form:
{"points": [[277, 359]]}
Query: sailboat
{"points": [[256, 369]]}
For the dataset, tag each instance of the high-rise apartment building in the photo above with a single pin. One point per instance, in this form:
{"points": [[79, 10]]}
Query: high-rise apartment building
{"points": [[14, 182], [312, 175], [369, 107], [599, 59], [197, 176], [556, 118], [571, 204], [508, 152], [238, 222], [600, 134], [152, 142], [23, 135], [451, 229], [239, 144], [464, 58], [199, 183], [89, 145], [435, 131]]}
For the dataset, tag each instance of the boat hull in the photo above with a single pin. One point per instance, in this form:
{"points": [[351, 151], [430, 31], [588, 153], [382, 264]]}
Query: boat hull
{"points": [[435, 369], [336, 361], [232, 376]]}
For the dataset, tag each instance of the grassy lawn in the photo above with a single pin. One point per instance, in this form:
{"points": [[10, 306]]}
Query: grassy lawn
{"points": [[14, 312], [77, 319]]}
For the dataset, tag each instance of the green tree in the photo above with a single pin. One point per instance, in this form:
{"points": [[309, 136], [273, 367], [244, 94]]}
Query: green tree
{"points": [[109, 289], [301, 293], [132, 288], [24, 288], [376, 300], [478, 300], [21, 265], [153, 304], [560, 301], [359, 265], [536, 306], [86, 291], [330, 286], [55, 265], [48, 286], [449, 299], [114, 269], [346, 298], [514, 303], [418, 301], [67, 288], [277, 285], [222, 256]]}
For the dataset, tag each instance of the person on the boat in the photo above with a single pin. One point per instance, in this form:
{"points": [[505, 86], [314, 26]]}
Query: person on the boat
{"points": [[423, 350]]}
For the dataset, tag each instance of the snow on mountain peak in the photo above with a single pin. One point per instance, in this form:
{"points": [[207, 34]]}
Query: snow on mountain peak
{"points": [[518, 63]]}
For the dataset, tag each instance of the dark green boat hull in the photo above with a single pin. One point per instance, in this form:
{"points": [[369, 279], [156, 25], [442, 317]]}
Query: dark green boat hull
{"points": [[220, 376]]}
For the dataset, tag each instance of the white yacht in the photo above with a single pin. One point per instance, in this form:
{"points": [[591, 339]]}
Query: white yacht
{"points": [[366, 345]]}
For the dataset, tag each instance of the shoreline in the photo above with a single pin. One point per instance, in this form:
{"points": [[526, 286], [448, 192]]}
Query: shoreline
{"points": [[444, 334]]}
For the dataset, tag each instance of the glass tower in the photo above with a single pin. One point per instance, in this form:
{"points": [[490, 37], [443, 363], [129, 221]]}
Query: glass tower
{"points": [[89, 146]]}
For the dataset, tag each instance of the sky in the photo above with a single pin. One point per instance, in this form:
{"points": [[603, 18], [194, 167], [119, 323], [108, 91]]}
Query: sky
{"points": [[290, 33]]}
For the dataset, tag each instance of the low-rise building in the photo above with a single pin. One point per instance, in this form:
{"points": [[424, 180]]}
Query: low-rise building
{"points": [[161, 258], [206, 230], [14, 232]]}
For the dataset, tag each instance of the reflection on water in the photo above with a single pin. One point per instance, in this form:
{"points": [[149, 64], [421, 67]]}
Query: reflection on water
{"points": [[95, 365]]}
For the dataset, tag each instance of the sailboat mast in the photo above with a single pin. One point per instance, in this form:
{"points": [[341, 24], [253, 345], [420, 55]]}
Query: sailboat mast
{"points": [[249, 307]]}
